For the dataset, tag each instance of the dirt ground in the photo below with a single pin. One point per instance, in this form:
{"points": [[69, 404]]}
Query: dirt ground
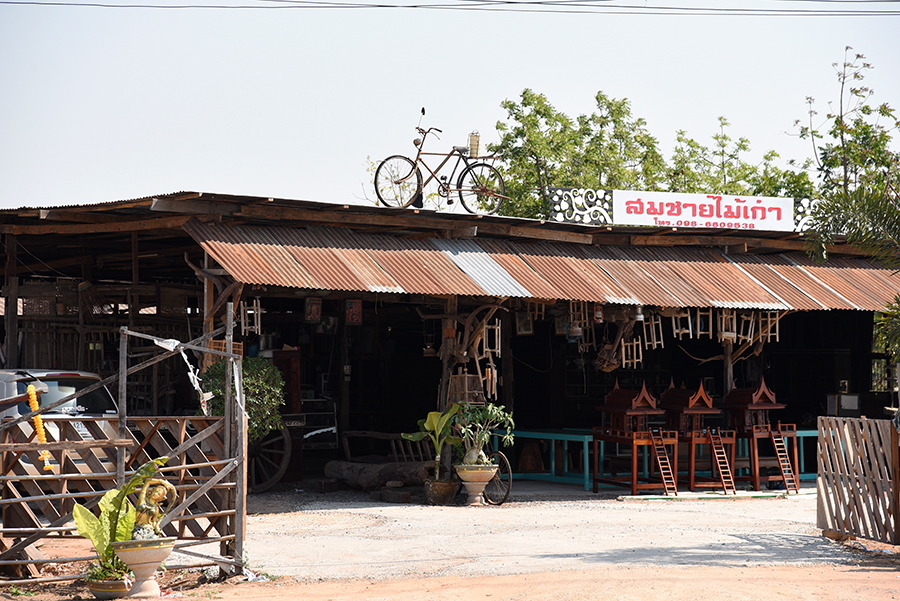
{"points": [[573, 547]]}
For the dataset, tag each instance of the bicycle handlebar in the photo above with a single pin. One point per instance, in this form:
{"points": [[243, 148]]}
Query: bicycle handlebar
{"points": [[429, 130]]}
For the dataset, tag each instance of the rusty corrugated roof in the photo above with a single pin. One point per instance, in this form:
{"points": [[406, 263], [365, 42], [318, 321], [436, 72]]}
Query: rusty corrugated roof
{"points": [[333, 258]]}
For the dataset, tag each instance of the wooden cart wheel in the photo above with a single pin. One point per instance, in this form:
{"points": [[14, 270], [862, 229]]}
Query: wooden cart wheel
{"points": [[268, 460], [497, 490]]}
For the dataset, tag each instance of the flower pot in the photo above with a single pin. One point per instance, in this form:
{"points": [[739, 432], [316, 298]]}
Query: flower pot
{"points": [[109, 589], [144, 557], [440, 492], [475, 478]]}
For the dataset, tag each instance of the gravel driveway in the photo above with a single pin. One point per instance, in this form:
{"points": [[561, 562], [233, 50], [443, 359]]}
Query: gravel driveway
{"points": [[543, 528]]}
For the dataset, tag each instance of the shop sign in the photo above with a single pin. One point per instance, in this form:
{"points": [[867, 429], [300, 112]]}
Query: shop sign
{"points": [[679, 210]]}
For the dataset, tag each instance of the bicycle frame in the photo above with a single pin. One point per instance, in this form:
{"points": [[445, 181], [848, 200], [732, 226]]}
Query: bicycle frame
{"points": [[446, 187]]}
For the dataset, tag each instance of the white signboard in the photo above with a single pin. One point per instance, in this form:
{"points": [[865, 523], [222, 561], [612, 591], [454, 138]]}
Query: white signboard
{"points": [[703, 210]]}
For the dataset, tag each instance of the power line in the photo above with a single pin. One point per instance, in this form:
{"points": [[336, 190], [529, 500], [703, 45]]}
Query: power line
{"points": [[521, 6]]}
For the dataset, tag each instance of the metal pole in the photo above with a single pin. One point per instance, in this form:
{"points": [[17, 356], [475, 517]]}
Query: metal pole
{"points": [[123, 404]]}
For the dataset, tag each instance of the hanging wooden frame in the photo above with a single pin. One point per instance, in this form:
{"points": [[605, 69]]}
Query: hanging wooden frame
{"points": [[632, 355], [769, 325], [653, 332], [704, 322], [536, 310], [746, 323], [588, 340], [681, 324], [727, 325]]}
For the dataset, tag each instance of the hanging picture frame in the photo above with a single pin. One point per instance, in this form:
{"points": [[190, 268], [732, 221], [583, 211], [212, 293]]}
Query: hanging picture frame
{"points": [[312, 312], [561, 325], [353, 313], [524, 324]]}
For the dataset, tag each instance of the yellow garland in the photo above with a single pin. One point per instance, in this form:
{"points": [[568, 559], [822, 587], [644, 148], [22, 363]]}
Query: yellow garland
{"points": [[39, 426]]}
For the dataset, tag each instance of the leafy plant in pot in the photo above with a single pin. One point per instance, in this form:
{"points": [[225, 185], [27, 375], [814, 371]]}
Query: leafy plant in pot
{"points": [[476, 424], [438, 428], [109, 577]]}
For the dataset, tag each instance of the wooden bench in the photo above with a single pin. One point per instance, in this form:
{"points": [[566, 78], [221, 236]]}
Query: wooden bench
{"points": [[391, 448]]}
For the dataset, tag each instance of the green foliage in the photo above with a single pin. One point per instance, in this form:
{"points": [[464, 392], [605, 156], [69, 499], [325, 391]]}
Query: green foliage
{"points": [[110, 569], [541, 148], [115, 523], [852, 147], [15, 591], [437, 427], [263, 394], [476, 424], [887, 329]]}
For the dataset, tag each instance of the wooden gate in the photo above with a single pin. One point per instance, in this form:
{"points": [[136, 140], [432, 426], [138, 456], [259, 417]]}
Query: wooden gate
{"points": [[857, 485], [90, 455]]}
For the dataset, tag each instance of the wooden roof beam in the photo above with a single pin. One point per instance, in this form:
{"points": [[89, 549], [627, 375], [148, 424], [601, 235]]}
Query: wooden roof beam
{"points": [[95, 228]]}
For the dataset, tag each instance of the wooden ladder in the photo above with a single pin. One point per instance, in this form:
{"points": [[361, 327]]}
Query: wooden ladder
{"points": [[662, 461], [718, 449], [787, 470]]}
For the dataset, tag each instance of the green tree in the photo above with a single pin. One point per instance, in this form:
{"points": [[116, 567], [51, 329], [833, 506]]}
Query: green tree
{"points": [[613, 150], [541, 147], [858, 169], [722, 167], [263, 393], [852, 147], [534, 144]]}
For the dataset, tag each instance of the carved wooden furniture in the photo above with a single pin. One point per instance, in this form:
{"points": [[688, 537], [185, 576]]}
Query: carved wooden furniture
{"points": [[629, 413], [686, 409], [748, 413], [629, 410], [685, 412]]}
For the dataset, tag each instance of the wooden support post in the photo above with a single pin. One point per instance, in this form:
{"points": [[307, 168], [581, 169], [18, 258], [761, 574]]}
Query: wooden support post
{"points": [[343, 375], [209, 296], [230, 422], [448, 350], [728, 346], [12, 304], [507, 384]]}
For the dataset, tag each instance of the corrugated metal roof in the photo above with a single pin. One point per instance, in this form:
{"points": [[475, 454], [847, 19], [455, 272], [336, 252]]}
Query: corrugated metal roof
{"points": [[480, 267], [332, 258], [570, 271]]}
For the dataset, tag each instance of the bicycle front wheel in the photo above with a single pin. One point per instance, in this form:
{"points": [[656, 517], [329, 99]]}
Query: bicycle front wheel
{"points": [[398, 181], [481, 189], [497, 489]]}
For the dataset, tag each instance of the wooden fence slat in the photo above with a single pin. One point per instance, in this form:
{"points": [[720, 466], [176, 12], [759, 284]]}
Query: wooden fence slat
{"points": [[857, 482]]}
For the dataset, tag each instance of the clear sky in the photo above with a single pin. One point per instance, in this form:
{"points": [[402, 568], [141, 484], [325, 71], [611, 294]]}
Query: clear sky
{"points": [[102, 104]]}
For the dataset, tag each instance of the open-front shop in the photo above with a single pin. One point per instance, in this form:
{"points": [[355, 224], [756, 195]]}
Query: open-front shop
{"points": [[596, 336]]}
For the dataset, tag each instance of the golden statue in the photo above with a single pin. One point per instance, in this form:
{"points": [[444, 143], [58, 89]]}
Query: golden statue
{"points": [[149, 509]]}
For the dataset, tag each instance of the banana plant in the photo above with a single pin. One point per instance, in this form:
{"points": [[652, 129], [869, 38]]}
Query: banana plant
{"points": [[116, 521], [437, 427]]}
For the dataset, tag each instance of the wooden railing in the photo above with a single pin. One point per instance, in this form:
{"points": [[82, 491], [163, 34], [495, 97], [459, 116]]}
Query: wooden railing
{"points": [[857, 485]]}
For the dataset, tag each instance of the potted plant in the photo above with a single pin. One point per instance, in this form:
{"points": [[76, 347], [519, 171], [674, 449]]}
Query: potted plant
{"points": [[475, 425], [438, 428], [109, 577]]}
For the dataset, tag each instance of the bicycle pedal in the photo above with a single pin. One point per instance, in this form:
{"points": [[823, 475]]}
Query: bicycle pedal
{"points": [[449, 201]]}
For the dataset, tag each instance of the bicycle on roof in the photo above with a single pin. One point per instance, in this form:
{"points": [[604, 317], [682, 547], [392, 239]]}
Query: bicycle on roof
{"points": [[480, 187]]}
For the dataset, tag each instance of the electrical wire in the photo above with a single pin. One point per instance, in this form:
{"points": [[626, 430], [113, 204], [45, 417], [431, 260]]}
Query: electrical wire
{"points": [[525, 6]]}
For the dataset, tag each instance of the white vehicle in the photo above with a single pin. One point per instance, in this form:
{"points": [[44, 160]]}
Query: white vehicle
{"points": [[59, 384]]}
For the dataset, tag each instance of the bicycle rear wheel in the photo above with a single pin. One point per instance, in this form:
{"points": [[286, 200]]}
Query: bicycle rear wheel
{"points": [[481, 189], [497, 490], [398, 181]]}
